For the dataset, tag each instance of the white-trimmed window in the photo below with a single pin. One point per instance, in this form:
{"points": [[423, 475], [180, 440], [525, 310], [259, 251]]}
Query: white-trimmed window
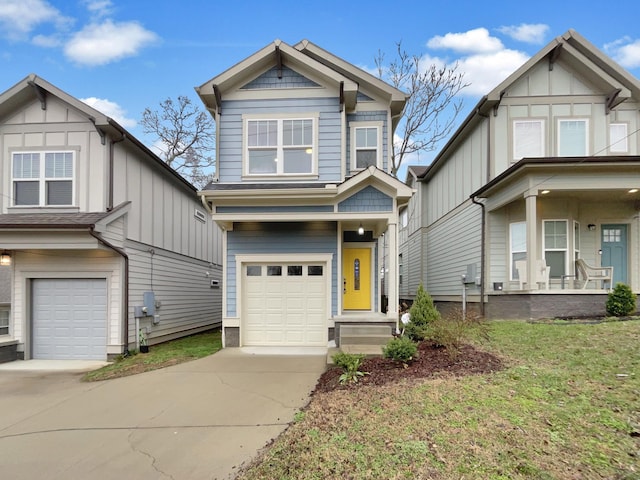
{"points": [[517, 245], [366, 145], [555, 246], [281, 146], [404, 218], [43, 178], [576, 242], [4, 321], [618, 138], [573, 138], [528, 139]]}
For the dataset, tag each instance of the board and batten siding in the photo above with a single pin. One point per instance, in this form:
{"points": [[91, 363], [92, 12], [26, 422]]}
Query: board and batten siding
{"points": [[162, 212], [276, 238], [60, 128], [55, 264], [329, 133], [453, 243], [181, 284]]}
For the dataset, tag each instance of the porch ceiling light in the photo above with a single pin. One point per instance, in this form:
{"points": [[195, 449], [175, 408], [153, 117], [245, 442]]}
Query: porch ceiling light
{"points": [[544, 192], [361, 230], [5, 258], [633, 190]]}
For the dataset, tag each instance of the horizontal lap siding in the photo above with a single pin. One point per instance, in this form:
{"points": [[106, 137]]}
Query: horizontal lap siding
{"points": [[453, 243], [329, 128], [182, 286], [274, 238]]}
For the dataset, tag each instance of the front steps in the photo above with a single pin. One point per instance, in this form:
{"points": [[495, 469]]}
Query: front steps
{"points": [[361, 338]]}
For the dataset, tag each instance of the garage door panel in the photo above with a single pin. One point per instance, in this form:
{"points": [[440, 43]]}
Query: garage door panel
{"points": [[69, 319], [292, 305]]}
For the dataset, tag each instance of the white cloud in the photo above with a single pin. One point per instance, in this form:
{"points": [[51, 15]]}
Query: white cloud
{"points": [[46, 41], [472, 41], [99, 44], [625, 51], [19, 17], [484, 72], [528, 33], [110, 109], [100, 8]]}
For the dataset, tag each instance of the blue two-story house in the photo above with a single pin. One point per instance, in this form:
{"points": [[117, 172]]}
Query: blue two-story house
{"points": [[304, 195]]}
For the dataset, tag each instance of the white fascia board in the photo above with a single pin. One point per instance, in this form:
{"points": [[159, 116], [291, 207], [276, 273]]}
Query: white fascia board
{"points": [[302, 216], [259, 194]]}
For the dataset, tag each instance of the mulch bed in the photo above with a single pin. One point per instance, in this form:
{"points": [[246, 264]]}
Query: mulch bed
{"points": [[432, 361]]}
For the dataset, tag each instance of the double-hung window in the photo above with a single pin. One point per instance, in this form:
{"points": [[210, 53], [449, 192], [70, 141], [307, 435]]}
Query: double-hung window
{"points": [[366, 145], [280, 146], [573, 138], [555, 246], [518, 245], [43, 178], [528, 139]]}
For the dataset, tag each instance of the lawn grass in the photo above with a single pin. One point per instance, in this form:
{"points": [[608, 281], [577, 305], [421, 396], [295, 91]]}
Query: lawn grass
{"points": [[159, 356], [567, 406]]}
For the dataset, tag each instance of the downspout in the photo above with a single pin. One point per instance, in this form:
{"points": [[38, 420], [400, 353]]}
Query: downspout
{"points": [[482, 254], [111, 162], [125, 300]]}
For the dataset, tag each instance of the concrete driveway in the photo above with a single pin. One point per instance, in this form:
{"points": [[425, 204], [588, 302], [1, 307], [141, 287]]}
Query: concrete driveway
{"points": [[197, 420]]}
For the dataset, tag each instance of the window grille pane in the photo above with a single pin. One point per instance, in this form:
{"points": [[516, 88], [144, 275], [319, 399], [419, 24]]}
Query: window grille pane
{"points": [[59, 192], [297, 161], [274, 271], [372, 137], [58, 165], [26, 165], [314, 270], [555, 234], [262, 161], [573, 138], [262, 133], [618, 138], [527, 140], [294, 270], [365, 158], [254, 270], [26, 193]]}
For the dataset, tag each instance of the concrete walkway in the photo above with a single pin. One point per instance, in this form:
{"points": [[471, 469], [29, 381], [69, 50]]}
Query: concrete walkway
{"points": [[197, 420]]}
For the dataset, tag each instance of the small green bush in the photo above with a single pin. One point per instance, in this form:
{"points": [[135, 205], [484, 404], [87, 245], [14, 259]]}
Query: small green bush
{"points": [[350, 364], [621, 301], [400, 349], [456, 329], [422, 313]]}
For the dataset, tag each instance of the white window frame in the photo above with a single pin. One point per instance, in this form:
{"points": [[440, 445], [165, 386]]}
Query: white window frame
{"points": [[512, 250], [619, 142], [586, 136], [576, 243], [279, 118], [8, 318], [353, 128], [546, 249], [540, 147], [42, 179], [404, 217]]}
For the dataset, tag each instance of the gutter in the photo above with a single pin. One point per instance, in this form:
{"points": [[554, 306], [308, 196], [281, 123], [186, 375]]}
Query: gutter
{"points": [[125, 299], [482, 253]]}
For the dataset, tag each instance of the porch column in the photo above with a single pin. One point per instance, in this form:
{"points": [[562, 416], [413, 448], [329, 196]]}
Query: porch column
{"points": [[391, 278], [532, 239]]}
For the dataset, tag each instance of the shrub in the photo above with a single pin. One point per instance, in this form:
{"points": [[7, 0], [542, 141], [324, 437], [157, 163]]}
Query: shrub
{"points": [[621, 301], [422, 313], [456, 329], [400, 349], [350, 364]]}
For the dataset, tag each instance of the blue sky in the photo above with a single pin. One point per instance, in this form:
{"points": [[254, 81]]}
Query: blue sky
{"points": [[122, 56]]}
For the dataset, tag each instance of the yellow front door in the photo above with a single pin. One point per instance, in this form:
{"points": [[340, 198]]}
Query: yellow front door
{"points": [[356, 268]]}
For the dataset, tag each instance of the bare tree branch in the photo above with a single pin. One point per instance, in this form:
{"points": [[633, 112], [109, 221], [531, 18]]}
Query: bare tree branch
{"points": [[187, 138], [431, 110]]}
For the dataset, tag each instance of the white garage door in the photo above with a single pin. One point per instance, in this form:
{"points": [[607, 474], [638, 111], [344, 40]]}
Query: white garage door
{"points": [[284, 304], [69, 319]]}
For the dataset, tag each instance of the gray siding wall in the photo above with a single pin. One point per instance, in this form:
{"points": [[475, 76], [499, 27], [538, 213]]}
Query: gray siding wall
{"points": [[368, 199], [230, 133], [180, 284], [378, 116], [277, 238], [453, 243]]}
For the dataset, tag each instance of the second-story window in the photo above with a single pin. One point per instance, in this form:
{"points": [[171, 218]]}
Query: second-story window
{"points": [[573, 138], [281, 146], [366, 145], [42, 179], [528, 139]]}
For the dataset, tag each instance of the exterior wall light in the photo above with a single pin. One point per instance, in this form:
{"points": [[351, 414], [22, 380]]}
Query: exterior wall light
{"points": [[5, 259], [360, 230], [591, 227]]}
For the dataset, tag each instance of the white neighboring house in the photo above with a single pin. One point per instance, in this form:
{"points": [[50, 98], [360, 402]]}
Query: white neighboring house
{"points": [[102, 236]]}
